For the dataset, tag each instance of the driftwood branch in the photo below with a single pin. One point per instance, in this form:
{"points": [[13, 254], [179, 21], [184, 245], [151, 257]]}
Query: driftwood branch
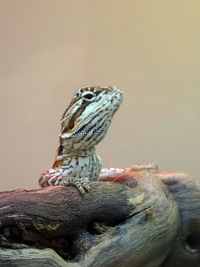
{"points": [[140, 219]]}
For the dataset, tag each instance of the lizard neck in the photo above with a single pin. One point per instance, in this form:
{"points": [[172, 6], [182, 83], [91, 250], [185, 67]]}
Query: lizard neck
{"points": [[64, 154]]}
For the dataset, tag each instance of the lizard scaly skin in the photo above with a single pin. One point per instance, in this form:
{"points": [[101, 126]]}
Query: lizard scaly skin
{"points": [[83, 125]]}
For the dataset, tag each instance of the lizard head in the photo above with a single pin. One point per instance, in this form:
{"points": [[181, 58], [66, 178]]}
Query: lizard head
{"points": [[89, 114]]}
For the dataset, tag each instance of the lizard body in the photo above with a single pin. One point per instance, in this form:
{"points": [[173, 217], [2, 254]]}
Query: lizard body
{"points": [[83, 125]]}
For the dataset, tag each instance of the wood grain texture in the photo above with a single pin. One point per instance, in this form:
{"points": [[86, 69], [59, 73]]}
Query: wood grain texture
{"points": [[136, 221]]}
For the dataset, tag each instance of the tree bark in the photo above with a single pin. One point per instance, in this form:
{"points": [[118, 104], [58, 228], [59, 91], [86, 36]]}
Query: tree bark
{"points": [[139, 219]]}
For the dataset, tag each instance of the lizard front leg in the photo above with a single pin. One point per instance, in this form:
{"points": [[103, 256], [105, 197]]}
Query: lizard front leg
{"points": [[59, 176]]}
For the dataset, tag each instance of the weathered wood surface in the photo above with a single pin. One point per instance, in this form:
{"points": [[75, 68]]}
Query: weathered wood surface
{"points": [[142, 219], [186, 191]]}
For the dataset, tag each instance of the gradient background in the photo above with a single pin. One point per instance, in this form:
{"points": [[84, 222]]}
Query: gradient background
{"points": [[150, 49]]}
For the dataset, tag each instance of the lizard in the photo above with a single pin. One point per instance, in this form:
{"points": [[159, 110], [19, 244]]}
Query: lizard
{"points": [[84, 124]]}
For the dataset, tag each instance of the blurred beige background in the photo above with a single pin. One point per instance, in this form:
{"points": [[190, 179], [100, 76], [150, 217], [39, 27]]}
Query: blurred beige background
{"points": [[150, 49]]}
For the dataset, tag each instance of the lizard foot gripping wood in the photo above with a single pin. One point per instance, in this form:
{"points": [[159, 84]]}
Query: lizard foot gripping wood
{"points": [[83, 125]]}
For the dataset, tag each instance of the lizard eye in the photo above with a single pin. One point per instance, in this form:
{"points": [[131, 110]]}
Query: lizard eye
{"points": [[88, 96]]}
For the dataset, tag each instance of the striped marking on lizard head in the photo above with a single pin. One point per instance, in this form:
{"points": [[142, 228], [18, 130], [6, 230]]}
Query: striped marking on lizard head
{"points": [[89, 115]]}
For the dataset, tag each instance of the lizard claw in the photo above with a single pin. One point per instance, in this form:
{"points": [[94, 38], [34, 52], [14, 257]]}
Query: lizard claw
{"points": [[82, 184]]}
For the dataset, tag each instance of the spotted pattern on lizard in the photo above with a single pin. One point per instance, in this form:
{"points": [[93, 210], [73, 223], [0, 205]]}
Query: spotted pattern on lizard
{"points": [[83, 125]]}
